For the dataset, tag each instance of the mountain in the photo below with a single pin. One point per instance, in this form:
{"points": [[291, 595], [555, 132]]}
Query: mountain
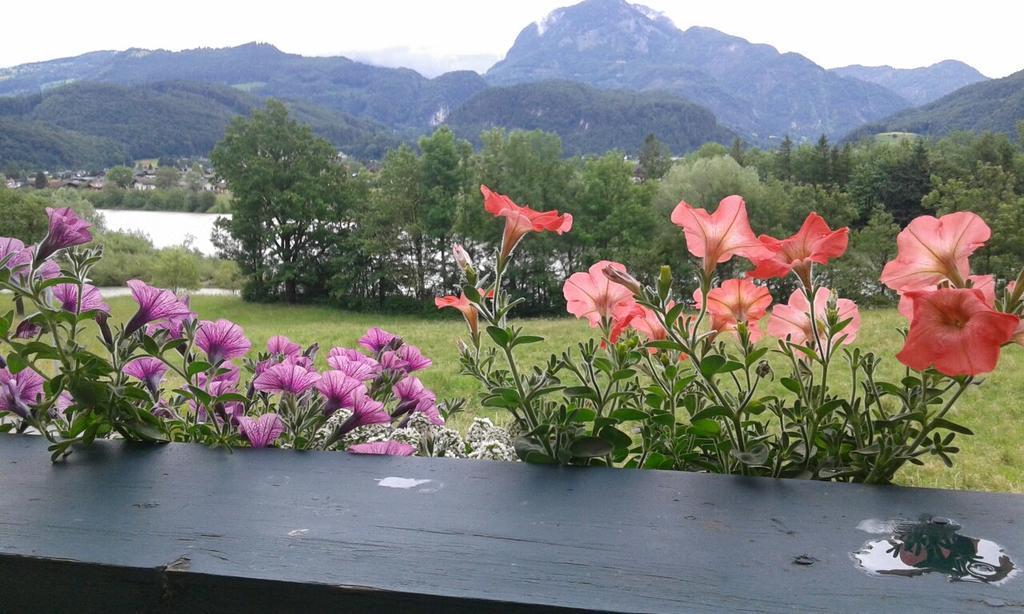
{"points": [[590, 120], [96, 124], [751, 88], [995, 105], [396, 97], [918, 85]]}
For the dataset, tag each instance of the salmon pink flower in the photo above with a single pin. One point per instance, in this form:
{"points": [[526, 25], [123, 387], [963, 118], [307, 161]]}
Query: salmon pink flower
{"points": [[793, 321], [286, 378], [955, 331], [735, 301], [383, 448], [650, 325], [283, 346], [520, 220], [377, 339], [154, 305], [623, 319], [262, 431], [930, 251], [338, 390], [462, 304], [66, 229], [67, 297], [20, 391], [814, 242], [593, 296], [717, 237], [148, 370], [222, 340], [985, 283]]}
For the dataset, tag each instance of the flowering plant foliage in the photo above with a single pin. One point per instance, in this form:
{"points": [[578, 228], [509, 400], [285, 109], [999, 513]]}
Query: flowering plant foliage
{"points": [[165, 375], [670, 386]]}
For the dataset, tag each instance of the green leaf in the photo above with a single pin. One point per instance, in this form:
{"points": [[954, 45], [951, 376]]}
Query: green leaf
{"points": [[5, 323], [197, 367], [942, 423], [591, 447], [532, 452], [711, 412], [627, 413], [500, 336], [582, 392], [616, 437], [705, 428], [523, 340], [666, 345], [792, 385], [15, 363], [673, 314], [712, 364]]}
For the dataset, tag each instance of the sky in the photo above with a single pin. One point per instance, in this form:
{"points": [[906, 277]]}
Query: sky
{"points": [[437, 35]]}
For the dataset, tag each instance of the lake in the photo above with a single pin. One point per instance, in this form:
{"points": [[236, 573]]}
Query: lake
{"points": [[166, 228]]}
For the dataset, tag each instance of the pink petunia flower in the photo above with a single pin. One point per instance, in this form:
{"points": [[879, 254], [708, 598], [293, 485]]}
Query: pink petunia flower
{"points": [[338, 390], [363, 368], [262, 431], [66, 229], [20, 391], [377, 339], [383, 448], [717, 237], [593, 296], [793, 320], [932, 250], [222, 340], [521, 220], [735, 301], [147, 370], [66, 296], [365, 411], [815, 242], [154, 305], [286, 378], [281, 345], [955, 331]]}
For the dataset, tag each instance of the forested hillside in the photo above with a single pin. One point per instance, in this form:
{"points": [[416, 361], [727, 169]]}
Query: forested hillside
{"points": [[590, 120]]}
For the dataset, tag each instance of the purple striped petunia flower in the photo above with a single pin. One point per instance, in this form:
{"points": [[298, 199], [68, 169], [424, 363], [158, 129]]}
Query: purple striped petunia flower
{"points": [[18, 392], [148, 370], [376, 339], [383, 448], [338, 390], [262, 431], [363, 368], [413, 358], [281, 345], [66, 229], [286, 378], [222, 340], [410, 392], [154, 304], [365, 410], [66, 296]]}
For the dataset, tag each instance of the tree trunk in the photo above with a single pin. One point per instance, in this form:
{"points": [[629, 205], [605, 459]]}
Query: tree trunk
{"points": [[290, 294]]}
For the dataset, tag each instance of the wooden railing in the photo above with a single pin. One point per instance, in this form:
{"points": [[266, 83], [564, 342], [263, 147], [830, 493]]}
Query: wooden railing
{"points": [[136, 528]]}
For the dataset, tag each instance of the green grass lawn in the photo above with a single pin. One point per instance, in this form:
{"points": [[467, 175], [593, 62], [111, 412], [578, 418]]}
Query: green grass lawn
{"points": [[991, 460]]}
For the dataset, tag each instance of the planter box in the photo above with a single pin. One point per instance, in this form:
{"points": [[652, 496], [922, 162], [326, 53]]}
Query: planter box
{"points": [[123, 527]]}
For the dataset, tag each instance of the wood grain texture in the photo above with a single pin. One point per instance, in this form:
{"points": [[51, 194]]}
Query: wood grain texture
{"points": [[126, 528]]}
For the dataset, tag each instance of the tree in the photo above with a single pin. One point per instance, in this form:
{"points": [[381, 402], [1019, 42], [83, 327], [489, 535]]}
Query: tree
{"points": [[177, 268], [40, 181], [167, 177], [655, 159], [736, 151], [121, 176], [292, 199], [784, 160]]}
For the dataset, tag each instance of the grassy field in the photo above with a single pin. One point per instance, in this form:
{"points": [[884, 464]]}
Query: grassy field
{"points": [[992, 460]]}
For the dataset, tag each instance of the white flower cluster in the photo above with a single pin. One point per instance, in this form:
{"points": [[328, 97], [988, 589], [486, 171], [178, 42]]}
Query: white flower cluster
{"points": [[483, 439]]}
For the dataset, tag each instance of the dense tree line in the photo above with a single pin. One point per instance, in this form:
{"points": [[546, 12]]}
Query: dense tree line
{"points": [[325, 230]]}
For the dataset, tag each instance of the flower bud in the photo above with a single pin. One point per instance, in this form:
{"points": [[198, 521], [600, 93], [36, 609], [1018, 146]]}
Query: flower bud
{"points": [[665, 282], [465, 263], [622, 278], [101, 321]]}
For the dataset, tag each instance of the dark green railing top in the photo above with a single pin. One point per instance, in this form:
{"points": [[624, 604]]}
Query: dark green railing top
{"points": [[122, 527]]}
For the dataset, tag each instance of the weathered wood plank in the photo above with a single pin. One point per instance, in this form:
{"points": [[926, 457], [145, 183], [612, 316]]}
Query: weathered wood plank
{"points": [[159, 528]]}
